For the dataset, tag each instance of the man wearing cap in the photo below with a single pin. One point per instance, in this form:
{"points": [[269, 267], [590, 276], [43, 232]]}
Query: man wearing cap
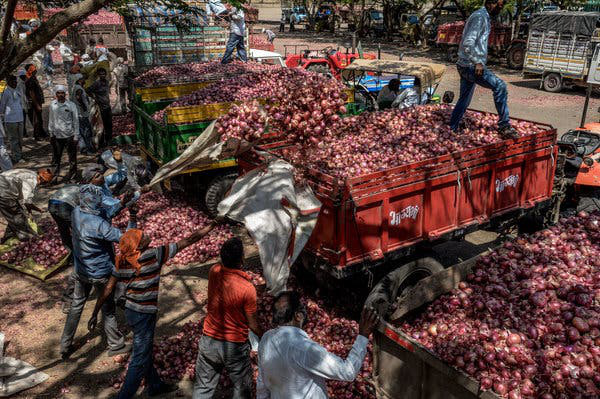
{"points": [[82, 101], [93, 258], [11, 110], [17, 190], [63, 127]]}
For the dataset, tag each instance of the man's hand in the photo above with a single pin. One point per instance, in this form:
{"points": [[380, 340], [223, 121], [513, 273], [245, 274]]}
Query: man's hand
{"points": [[146, 188], [479, 69], [368, 322], [127, 197], [92, 322]]}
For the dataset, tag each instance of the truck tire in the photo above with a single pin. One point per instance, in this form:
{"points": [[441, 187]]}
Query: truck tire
{"points": [[515, 56], [452, 54], [216, 190], [383, 296], [589, 203], [319, 68], [552, 83]]}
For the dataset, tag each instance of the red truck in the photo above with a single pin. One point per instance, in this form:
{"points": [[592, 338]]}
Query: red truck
{"points": [[500, 42]]}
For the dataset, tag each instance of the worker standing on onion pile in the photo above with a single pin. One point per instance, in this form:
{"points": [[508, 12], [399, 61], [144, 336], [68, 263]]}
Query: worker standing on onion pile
{"points": [[231, 312], [100, 91], [236, 35], [291, 365], [137, 274], [93, 258], [63, 128], [472, 56], [17, 190]]}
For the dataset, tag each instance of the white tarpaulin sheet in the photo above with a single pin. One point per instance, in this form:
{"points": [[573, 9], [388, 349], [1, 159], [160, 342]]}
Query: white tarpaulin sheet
{"points": [[16, 375], [279, 218]]}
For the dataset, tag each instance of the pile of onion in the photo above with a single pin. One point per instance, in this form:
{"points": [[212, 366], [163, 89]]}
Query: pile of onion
{"points": [[123, 125], [526, 323], [45, 249], [169, 218]]}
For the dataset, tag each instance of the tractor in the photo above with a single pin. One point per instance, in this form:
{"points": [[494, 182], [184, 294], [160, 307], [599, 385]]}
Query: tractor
{"points": [[327, 61]]}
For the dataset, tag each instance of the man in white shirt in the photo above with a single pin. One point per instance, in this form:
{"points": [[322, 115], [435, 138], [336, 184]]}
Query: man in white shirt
{"points": [[292, 366], [63, 128], [388, 94], [270, 34], [236, 35], [67, 57], [101, 51], [11, 108]]}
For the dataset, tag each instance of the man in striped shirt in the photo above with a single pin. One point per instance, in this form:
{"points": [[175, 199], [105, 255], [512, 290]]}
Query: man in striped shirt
{"points": [[137, 271]]}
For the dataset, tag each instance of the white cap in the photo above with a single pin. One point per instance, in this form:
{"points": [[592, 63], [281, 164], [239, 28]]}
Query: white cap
{"points": [[58, 88]]}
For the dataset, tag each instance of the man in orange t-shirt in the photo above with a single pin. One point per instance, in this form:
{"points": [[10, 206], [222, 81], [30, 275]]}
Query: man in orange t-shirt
{"points": [[231, 312]]}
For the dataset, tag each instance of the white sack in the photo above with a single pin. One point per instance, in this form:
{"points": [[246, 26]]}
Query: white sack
{"points": [[25, 375], [279, 228]]}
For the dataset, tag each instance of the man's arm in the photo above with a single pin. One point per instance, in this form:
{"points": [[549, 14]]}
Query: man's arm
{"points": [[108, 289], [253, 324], [317, 360], [194, 237], [108, 232]]}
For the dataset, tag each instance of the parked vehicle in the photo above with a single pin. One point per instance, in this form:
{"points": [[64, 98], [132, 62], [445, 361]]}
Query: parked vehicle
{"points": [[327, 61], [500, 43], [560, 48], [299, 12]]}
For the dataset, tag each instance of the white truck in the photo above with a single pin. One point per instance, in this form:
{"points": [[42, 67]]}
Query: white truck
{"points": [[560, 47]]}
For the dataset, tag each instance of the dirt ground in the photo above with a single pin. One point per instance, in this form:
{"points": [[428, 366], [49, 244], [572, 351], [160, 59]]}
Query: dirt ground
{"points": [[30, 314]]}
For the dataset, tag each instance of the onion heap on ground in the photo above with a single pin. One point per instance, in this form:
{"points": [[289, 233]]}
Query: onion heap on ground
{"points": [[196, 72], [123, 125], [526, 323], [169, 218], [45, 250]]}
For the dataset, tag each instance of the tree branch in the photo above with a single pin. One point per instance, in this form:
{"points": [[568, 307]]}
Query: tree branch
{"points": [[8, 19], [16, 51]]}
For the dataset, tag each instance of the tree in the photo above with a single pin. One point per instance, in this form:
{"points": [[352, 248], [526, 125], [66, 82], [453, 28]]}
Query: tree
{"points": [[14, 51]]}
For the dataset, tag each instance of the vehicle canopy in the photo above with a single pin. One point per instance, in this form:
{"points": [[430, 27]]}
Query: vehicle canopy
{"points": [[429, 74], [575, 22]]}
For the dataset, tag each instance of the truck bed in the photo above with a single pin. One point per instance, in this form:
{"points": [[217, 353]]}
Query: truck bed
{"points": [[366, 220]]}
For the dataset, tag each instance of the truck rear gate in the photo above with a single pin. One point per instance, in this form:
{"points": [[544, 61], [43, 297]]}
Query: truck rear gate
{"points": [[367, 219]]}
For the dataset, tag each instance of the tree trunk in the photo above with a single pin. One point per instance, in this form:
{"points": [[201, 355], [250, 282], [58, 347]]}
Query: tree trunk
{"points": [[8, 20], [15, 51]]}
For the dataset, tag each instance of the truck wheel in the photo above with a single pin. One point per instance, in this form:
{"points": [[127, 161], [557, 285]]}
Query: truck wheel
{"points": [[216, 190], [452, 54], [515, 56], [383, 296], [590, 203], [319, 68], [552, 83]]}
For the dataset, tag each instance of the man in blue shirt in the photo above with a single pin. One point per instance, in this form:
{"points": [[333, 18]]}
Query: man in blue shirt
{"points": [[472, 56], [93, 257]]}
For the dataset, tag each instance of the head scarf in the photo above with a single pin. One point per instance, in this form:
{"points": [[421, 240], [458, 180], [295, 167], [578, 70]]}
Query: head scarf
{"points": [[77, 77], [58, 88], [85, 57], [30, 71], [88, 173], [129, 251], [90, 199]]}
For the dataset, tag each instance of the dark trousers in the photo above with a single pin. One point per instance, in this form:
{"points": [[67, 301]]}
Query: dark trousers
{"points": [[67, 65], [25, 115], [85, 132], [141, 365], [213, 357], [468, 80], [38, 124], [282, 27], [106, 114], [58, 146], [61, 213], [235, 42]]}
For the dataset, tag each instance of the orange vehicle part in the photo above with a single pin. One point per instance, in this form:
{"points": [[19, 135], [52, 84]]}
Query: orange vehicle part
{"points": [[316, 60], [589, 175]]}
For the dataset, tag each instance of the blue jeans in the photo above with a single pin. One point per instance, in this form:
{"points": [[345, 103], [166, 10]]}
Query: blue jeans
{"points": [[234, 42], [468, 80], [141, 364]]}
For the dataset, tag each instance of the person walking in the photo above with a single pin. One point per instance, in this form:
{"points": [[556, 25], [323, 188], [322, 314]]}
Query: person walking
{"points": [[291, 365], [100, 91], [237, 29], [292, 21], [63, 127], [81, 100], [282, 23], [35, 96], [11, 109], [21, 86], [48, 64], [471, 66], [93, 258], [119, 75], [138, 269], [231, 313], [67, 57]]}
